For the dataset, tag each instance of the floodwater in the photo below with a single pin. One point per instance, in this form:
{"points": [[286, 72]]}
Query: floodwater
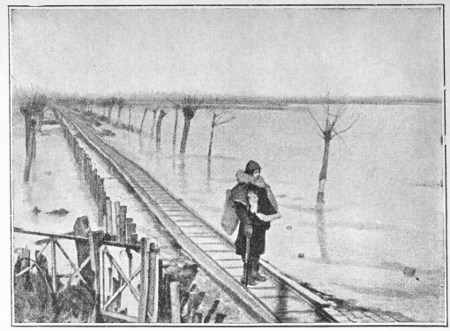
{"points": [[384, 199]]}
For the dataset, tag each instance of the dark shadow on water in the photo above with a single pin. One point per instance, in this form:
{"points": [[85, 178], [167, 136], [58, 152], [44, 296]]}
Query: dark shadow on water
{"points": [[208, 176], [321, 233], [182, 174]]}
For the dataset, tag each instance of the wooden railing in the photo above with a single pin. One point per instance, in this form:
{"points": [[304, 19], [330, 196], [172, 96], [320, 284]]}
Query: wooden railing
{"points": [[102, 284]]}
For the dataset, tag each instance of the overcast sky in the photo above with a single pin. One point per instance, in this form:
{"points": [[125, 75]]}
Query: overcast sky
{"points": [[295, 51]]}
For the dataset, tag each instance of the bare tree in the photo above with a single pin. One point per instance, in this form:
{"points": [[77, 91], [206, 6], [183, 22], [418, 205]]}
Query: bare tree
{"points": [[129, 117], [219, 117], [162, 114], [328, 132], [120, 103], [152, 131], [111, 103], [32, 108], [147, 108], [175, 129], [189, 106]]}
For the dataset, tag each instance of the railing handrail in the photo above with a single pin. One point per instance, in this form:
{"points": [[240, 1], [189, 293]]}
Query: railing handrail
{"points": [[135, 247]]}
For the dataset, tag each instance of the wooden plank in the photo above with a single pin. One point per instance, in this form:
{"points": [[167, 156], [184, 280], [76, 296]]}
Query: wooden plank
{"points": [[175, 302], [126, 318]]}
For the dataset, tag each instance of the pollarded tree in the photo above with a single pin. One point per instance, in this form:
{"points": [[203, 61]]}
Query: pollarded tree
{"points": [[120, 103], [189, 107], [162, 114], [146, 109], [152, 131], [111, 103], [32, 107], [175, 128], [328, 132], [219, 117]]}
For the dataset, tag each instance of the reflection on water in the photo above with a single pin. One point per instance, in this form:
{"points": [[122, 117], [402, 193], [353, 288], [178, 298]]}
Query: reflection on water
{"points": [[322, 234], [208, 176], [182, 175]]}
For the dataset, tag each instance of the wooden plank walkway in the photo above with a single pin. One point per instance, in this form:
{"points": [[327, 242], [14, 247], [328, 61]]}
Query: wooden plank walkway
{"points": [[279, 299]]}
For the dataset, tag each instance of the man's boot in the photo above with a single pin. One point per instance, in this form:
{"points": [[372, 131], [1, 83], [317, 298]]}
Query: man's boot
{"points": [[255, 272], [251, 280]]}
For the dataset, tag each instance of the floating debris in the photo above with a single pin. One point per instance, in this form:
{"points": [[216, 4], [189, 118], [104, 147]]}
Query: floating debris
{"points": [[410, 272], [60, 212], [301, 255], [36, 210], [289, 227], [106, 132]]}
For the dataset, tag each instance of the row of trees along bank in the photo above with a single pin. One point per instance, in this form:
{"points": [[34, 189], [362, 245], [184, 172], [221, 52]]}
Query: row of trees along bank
{"points": [[33, 106]]}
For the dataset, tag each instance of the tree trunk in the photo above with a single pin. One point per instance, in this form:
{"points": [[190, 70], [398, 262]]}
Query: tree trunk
{"points": [[119, 113], [110, 111], [143, 118], [322, 235], [174, 138], [211, 137], [129, 117], [323, 174], [153, 125], [162, 113], [30, 149], [187, 125]]}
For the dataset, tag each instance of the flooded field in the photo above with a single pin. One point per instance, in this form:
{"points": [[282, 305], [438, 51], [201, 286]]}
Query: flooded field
{"points": [[384, 197]]}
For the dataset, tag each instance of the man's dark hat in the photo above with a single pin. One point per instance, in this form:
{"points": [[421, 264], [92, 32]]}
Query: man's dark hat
{"points": [[251, 167]]}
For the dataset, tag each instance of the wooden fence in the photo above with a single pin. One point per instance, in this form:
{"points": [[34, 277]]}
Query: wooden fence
{"points": [[113, 221]]}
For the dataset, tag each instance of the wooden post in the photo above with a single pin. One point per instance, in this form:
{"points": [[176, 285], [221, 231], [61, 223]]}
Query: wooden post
{"points": [[211, 311], [22, 263], [81, 228], [219, 318], [117, 220], [145, 265], [53, 252], [94, 244], [109, 224], [154, 279], [198, 317], [129, 230], [92, 182], [122, 226], [101, 202], [166, 293], [102, 277], [88, 169], [96, 188], [110, 282], [82, 161], [175, 302]]}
